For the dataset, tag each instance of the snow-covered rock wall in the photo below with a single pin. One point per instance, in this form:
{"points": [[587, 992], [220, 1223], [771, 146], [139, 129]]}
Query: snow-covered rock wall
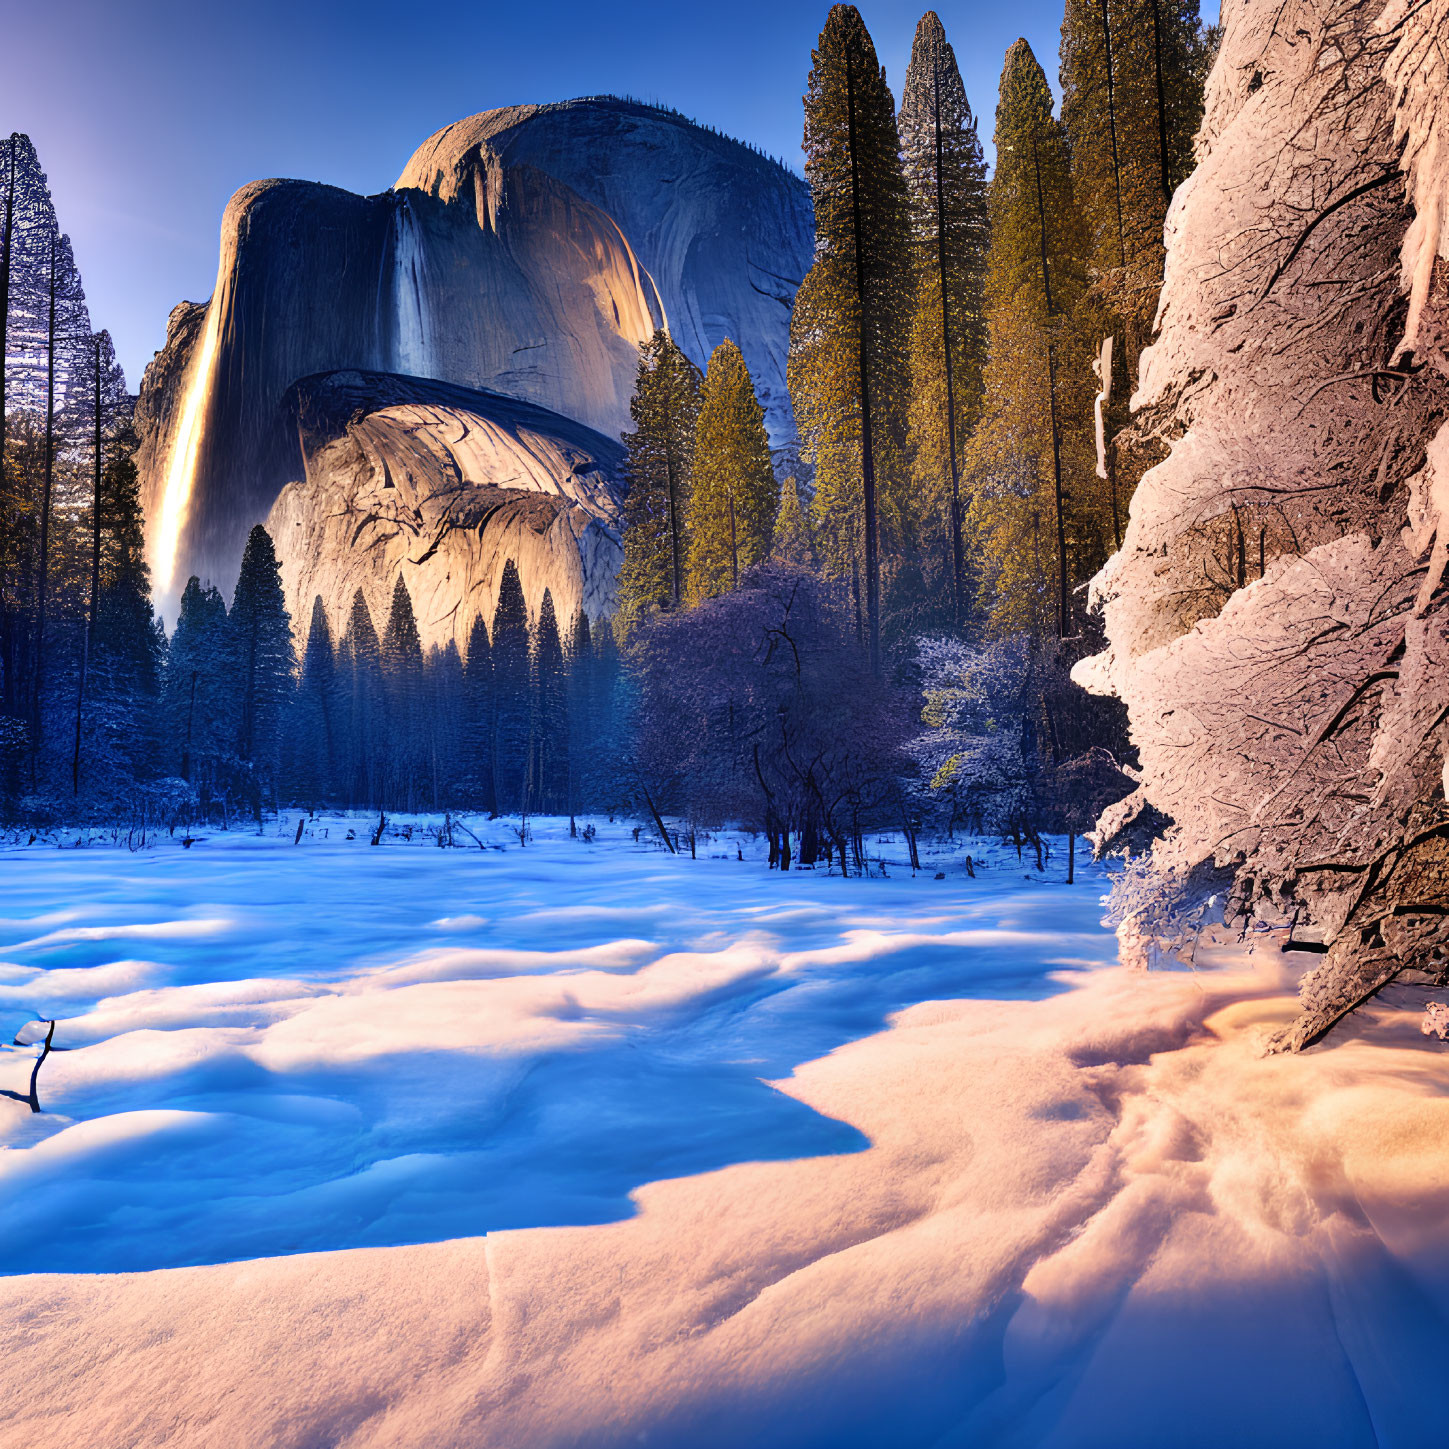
{"points": [[526, 251], [441, 486], [1275, 617]]}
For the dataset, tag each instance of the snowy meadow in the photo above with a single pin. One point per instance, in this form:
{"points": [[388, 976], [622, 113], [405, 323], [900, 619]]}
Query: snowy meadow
{"points": [[582, 1143], [269, 1048]]}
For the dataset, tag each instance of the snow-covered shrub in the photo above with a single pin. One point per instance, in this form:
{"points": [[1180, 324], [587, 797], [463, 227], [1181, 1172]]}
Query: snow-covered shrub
{"points": [[972, 770], [1436, 1020], [994, 756]]}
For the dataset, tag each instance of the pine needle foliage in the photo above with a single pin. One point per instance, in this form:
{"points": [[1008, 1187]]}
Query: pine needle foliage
{"points": [[367, 717], [263, 659], [658, 467], [950, 233], [735, 496], [792, 541], [848, 371], [512, 694], [550, 732], [477, 770], [1132, 96], [402, 668], [1036, 513], [313, 734]]}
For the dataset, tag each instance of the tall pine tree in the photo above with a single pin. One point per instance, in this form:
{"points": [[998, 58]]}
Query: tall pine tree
{"points": [[198, 701], [848, 370], [315, 732], [658, 466], [478, 717], [792, 543], [125, 646], [950, 232], [583, 724], [403, 689], [550, 727], [735, 496], [263, 659], [512, 695], [1132, 76], [1035, 507], [367, 706]]}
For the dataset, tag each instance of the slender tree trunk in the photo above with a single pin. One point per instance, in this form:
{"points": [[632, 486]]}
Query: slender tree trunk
{"points": [[43, 577], [190, 716], [867, 455], [734, 548], [1112, 130], [1161, 100], [7, 247], [1064, 599], [80, 693], [676, 542], [958, 561]]}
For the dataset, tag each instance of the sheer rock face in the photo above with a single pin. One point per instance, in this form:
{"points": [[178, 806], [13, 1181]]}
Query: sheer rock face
{"points": [[527, 251], [441, 485], [1275, 618]]}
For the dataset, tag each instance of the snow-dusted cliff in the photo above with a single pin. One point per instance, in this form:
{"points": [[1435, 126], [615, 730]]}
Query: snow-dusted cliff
{"points": [[527, 251], [441, 485], [1276, 616]]}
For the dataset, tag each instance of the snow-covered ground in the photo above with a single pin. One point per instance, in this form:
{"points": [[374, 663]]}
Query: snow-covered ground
{"points": [[760, 1159]]}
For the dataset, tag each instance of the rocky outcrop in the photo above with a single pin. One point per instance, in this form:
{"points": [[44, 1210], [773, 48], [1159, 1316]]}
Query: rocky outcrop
{"points": [[725, 234], [526, 251], [441, 485], [1276, 617]]}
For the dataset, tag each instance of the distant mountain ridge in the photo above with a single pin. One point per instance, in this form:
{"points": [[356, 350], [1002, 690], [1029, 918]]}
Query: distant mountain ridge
{"points": [[526, 251]]}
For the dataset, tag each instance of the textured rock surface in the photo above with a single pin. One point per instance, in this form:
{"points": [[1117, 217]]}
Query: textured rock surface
{"points": [[441, 485], [725, 234], [527, 251], [1274, 625]]}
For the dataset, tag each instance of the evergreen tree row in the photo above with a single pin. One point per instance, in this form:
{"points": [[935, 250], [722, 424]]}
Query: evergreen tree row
{"points": [[703, 505], [79, 648], [369, 720], [951, 335]]}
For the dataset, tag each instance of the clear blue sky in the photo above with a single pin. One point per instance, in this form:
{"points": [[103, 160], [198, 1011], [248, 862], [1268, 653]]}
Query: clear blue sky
{"points": [[148, 115]]}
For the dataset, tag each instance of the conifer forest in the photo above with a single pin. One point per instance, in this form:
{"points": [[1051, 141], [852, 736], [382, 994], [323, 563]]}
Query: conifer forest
{"points": [[657, 793]]}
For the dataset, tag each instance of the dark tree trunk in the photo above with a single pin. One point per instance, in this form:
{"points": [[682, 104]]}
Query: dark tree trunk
{"points": [[80, 693], [867, 454], [43, 564], [958, 559], [1064, 598], [1112, 130], [1161, 100]]}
